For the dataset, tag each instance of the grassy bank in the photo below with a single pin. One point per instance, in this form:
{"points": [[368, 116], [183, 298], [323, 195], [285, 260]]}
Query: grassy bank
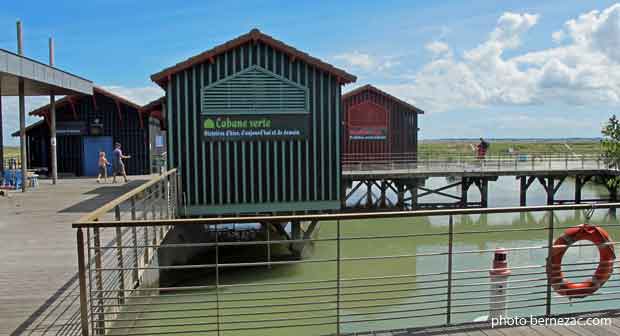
{"points": [[464, 147], [11, 152], [500, 147]]}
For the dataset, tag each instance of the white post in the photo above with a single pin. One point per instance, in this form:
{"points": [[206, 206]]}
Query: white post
{"points": [[499, 284]]}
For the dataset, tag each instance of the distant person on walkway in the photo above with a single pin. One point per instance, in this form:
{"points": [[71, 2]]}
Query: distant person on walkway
{"points": [[103, 168], [118, 167], [483, 147]]}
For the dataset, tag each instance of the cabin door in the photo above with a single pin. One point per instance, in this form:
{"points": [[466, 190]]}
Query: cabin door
{"points": [[90, 155]]}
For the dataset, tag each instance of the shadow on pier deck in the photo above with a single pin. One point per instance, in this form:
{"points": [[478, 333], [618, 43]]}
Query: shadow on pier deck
{"points": [[38, 278]]}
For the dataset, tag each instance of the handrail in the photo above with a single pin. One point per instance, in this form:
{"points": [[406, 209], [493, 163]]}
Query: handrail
{"points": [[95, 215], [340, 216]]}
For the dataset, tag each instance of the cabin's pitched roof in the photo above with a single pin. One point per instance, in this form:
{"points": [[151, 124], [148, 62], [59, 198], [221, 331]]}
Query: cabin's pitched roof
{"points": [[153, 105], [371, 88], [254, 35], [43, 110]]}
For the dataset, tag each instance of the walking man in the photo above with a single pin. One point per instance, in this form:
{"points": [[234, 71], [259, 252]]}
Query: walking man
{"points": [[483, 147], [118, 167]]}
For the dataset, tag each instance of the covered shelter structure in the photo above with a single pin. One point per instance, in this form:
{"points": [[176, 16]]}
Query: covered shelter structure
{"points": [[89, 124], [21, 76]]}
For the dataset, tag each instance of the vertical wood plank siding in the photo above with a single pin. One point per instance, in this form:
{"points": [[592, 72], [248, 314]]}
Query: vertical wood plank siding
{"points": [[135, 140], [402, 129], [256, 176]]}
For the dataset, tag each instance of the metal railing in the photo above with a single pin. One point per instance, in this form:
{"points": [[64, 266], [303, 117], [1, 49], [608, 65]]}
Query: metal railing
{"points": [[12, 162], [446, 162], [127, 248], [365, 272]]}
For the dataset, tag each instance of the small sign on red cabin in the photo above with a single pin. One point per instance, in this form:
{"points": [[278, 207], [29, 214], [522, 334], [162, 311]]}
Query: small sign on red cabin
{"points": [[367, 121]]}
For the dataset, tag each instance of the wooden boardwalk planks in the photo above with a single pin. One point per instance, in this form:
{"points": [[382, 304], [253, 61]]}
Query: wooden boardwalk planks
{"points": [[38, 247]]}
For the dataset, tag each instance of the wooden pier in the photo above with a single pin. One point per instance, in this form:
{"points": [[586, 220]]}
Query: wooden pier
{"points": [[37, 253], [406, 179]]}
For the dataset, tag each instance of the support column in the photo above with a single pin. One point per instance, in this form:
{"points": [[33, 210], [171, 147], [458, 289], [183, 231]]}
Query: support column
{"points": [[484, 192], [522, 190], [550, 190], [295, 235], [400, 202], [413, 190], [52, 117], [369, 194], [464, 190], [613, 198], [383, 201], [578, 186], [22, 114]]}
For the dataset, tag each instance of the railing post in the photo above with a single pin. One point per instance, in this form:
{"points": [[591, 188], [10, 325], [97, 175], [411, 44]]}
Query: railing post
{"points": [[449, 294], [134, 238], [146, 235], [162, 198], [82, 282], [217, 280], [549, 249], [167, 195], [119, 256], [100, 326], [338, 278]]}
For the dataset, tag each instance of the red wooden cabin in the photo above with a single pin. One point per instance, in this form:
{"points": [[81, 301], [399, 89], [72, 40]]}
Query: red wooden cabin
{"points": [[378, 126]]}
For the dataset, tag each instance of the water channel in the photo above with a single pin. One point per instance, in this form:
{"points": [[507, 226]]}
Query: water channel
{"points": [[412, 290]]}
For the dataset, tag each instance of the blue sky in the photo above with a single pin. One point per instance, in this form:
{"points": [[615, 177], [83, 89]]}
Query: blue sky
{"points": [[478, 68]]}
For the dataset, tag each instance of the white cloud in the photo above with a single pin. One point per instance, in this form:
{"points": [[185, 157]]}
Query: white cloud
{"points": [[366, 61], [438, 49], [558, 36], [583, 69], [138, 95]]}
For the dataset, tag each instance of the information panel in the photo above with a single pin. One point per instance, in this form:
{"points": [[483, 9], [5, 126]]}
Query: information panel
{"points": [[254, 127], [367, 133]]}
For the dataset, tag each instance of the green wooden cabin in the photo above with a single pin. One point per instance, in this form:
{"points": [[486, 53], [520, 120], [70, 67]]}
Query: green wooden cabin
{"points": [[254, 127]]}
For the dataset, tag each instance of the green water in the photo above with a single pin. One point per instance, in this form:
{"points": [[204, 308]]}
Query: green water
{"points": [[406, 285]]}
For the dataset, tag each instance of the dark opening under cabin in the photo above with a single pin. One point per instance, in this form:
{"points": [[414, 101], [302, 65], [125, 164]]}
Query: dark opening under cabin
{"points": [[378, 125], [254, 127], [86, 125]]}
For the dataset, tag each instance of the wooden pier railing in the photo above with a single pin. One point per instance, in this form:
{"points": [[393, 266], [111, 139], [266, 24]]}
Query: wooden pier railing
{"points": [[330, 302]]}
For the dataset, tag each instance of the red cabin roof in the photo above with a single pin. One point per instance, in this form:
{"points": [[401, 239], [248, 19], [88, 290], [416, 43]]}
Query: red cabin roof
{"points": [[254, 35], [371, 88]]}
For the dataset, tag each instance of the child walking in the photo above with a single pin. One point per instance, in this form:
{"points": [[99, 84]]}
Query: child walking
{"points": [[103, 168]]}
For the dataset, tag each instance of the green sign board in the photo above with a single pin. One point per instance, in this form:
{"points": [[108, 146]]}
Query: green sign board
{"points": [[254, 127]]}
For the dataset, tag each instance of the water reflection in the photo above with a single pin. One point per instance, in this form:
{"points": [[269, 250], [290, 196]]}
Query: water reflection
{"points": [[407, 287]]}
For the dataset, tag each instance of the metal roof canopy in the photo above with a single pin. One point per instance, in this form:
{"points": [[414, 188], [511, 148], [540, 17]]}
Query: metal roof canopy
{"points": [[39, 79]]}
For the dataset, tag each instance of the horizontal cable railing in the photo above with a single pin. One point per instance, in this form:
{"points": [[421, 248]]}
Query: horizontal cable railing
{"points": [[446, 162], [361, 273], [123, 248]]}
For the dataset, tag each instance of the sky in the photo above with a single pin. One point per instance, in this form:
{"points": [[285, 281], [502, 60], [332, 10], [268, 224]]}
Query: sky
{"points": [[499, 69]]}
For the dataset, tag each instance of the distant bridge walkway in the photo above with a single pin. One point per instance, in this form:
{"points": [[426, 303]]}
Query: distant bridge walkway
{"points": [[404, 175]]}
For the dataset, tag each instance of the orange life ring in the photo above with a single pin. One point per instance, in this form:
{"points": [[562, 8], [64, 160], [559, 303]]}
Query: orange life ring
{"points": [[607, 256]]}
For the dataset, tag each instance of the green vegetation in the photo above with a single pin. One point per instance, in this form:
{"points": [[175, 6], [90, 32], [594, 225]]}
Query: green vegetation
{"points": [[502, 147], [11, 152], [611, 147]]}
